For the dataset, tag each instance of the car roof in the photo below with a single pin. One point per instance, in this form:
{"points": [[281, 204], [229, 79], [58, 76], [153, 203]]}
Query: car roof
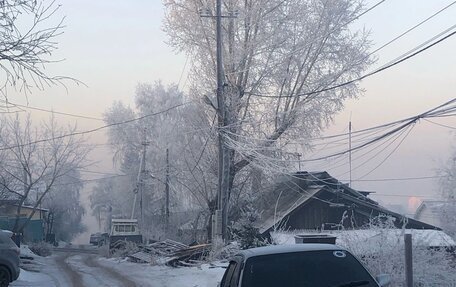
{"points": [[6, 232], [288, 248]]}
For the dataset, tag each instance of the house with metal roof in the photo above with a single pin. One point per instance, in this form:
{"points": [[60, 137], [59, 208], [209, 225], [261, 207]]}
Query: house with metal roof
{"points": [[318, 201], [34, 230]]}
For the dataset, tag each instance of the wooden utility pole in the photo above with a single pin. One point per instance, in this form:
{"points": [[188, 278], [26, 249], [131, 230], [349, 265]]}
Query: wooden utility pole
{"points": [[350, 150], [140, 181], [221, 205], [408, 260], [167, 192], [141, 178], [221, 214]]}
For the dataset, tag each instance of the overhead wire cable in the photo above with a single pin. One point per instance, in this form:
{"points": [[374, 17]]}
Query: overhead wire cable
{"points": [[95, 129], [441, 125], [385, 144], [410, 52], [400, 178], [337, 28], [410, 128], [389, 133], [411, 29], [52, 111], [383, 68]]}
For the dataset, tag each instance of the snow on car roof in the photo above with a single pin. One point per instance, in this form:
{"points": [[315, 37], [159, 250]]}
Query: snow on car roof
{"points": [[288, 248]]}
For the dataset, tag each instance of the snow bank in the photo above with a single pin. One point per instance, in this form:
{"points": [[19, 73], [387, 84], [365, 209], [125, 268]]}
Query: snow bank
{"points": [[36, 279], [25, 251], [160, 276], [369, 238]]}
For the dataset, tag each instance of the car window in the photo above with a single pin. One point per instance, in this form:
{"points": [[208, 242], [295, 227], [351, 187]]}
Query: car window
{"points": [[235, 278], [305, 269]]}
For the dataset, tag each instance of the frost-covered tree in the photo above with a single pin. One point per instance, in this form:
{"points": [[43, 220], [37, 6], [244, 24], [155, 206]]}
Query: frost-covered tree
{"points": [[28, 34], [447, 184], [35, 158], [279, 57], [183, 131], [64, 203]]}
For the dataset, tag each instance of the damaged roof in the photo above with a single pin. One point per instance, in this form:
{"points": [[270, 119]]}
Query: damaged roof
{"points": [[293, 191]]}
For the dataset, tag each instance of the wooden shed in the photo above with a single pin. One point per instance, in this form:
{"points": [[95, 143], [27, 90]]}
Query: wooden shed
{"points": [[316, 201]]}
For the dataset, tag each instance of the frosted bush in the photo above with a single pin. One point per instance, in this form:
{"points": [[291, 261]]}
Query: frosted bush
{"points": [[384, 253]]}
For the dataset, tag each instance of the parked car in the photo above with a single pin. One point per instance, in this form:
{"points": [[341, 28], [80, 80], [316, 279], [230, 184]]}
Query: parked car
{"points": [[99, 239], [9, 259], [298, 265]]}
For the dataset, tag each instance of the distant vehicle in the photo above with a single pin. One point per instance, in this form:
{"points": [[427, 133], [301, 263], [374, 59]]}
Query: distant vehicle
{"points": [[310, 265], [99, 238], [9, 259], [124, 230]]}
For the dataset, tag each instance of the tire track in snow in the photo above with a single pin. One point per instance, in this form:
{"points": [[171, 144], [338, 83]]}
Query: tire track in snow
{"points": [[93, 274], [90, 261], [74, 277]]}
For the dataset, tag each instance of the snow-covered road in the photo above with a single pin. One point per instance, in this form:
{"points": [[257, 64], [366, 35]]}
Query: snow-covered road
{"points": [[86, 270]]}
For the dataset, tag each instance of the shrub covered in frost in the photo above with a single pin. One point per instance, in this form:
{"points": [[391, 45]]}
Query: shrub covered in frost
{"points": [[41, 248], [380, 247], [384, 253], [244, 231]]}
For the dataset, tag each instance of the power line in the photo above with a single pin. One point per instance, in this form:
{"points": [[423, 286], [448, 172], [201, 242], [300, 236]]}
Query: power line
{"points": [[411, 29], [96, 129], [385, 67], [441, 125], [400, 178], [337, 28], [52, 111], [390, 154], [102, 173], [408, 122]]}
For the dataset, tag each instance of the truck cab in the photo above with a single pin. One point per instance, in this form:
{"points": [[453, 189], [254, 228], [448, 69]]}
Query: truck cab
{"points": [[123, 230]]}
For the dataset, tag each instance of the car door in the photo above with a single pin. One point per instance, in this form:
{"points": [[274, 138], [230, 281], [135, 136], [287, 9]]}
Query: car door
{"points": [[231, 276]]}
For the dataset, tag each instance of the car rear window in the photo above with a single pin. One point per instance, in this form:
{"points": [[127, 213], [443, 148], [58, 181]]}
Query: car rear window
{"points": [[305, 269]]}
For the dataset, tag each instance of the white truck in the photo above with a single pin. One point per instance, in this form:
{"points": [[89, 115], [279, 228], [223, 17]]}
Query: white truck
{"points": [[122, 231]]}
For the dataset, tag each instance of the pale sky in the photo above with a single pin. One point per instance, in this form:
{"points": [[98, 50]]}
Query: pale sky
{"points": [[112, 45]]}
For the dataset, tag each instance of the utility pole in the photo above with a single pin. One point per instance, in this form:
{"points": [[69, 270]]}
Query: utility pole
{"points": [[141, 177], [221, 214], [167, 192], [350, 150], [408, 260], [299, 160], [221, 210], [140, 180]]}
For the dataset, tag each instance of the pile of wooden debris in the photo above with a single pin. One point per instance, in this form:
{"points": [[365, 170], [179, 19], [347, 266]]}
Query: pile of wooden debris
{"points": [[171, 253]]}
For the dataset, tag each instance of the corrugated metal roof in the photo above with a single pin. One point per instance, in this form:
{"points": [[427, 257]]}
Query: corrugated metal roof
{"points": [[292, 191]]}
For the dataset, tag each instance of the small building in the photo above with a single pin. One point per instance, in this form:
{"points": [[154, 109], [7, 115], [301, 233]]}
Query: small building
{"points": [[431, 211], [35, 229], [318, 201]]}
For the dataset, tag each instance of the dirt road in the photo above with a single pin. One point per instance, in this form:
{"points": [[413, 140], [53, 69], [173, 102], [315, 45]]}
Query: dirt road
{"points": [[73, 268], [83, 270]]}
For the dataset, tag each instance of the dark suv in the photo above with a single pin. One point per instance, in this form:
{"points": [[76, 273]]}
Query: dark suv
{"points": [[9, 259], [299, 265]]}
